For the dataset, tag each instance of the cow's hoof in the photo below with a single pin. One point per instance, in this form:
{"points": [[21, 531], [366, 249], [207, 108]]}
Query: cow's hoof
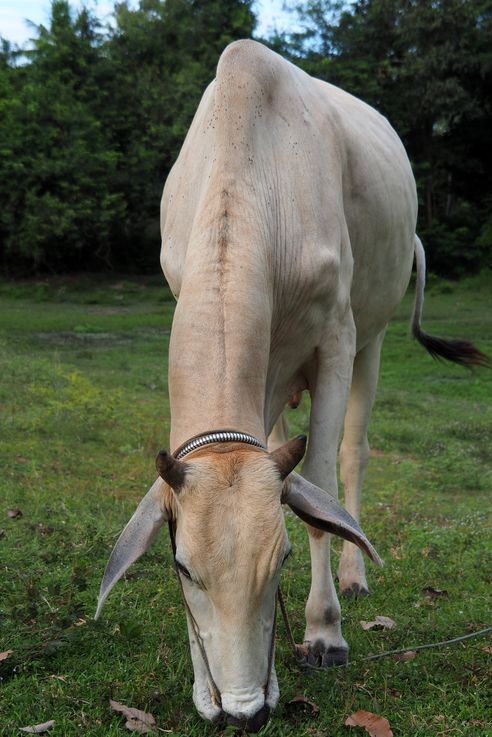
{"points": [[355, 589], [319, 655]]}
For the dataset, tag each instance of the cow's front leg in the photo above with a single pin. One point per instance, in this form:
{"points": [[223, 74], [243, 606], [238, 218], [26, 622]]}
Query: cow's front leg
{"points": [[324, 644]]}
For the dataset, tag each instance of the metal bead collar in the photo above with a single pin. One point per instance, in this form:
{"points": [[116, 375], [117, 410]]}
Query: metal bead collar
{"points": [[221, 436]]}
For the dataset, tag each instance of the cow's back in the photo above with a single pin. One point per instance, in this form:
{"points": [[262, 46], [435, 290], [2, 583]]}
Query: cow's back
{"points": [[308, 180]]}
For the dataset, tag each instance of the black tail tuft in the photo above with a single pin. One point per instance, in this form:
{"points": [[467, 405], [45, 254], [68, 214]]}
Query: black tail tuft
{"points": [[458, 351]]}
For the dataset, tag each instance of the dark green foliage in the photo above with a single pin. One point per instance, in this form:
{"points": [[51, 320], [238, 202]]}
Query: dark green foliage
{"points": [[92, 119], [91, 124], [60, 203]]}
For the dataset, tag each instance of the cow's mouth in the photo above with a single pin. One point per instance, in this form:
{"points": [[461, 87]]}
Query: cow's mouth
{"points": [[249, 724]]}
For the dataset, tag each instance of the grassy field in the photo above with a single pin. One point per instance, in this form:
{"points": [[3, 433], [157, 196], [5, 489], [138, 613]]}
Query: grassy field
{"points": [[84, 409]]}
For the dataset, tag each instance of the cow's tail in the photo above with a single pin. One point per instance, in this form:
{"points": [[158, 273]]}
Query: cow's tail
{"points": [[457, 351]]}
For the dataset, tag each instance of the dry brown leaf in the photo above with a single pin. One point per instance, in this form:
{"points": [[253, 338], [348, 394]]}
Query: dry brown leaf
{"points": [[487, 649], [426, 601], [136, 720], [43, 529], [14, 513], [301, 701], [5, 655], [408, 655], [434, 593], [375, 725], [380, 622], [38, 728]]}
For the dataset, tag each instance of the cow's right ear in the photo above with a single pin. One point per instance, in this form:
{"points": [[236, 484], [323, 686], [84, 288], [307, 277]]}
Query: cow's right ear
{"points": [[147, 520], [289, 455]]}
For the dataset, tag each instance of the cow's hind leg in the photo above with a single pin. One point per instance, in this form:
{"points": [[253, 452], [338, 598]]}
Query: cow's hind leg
{"points": [[323, 642], [354, 455]]}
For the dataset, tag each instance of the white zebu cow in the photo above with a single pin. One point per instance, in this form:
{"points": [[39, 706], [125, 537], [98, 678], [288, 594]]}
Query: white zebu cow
{"points": [[288, 236]]}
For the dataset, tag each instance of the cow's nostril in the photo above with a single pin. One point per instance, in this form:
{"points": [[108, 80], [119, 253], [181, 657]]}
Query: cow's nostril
{"points": [[250, 724]]}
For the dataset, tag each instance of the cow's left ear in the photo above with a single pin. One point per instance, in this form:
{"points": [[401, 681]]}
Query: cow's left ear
{"points": [[321, 510], [289, 455], [171, 470], [136, 538]]}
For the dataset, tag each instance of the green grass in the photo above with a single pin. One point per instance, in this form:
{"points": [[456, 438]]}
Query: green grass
{"points": [[84, 409]]}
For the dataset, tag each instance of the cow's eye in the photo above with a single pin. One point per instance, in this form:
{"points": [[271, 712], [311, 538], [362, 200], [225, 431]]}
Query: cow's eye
{"points": [[182, 569]]}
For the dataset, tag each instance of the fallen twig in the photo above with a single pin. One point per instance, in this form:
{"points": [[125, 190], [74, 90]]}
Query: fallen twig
{"points": [[414, 648]]}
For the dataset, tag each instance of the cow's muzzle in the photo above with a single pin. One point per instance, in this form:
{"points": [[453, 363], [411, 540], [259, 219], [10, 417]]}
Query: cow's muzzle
{"points": [[249, 724]]}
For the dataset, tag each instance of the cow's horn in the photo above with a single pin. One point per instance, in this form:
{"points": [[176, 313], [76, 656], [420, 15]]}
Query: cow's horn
{"points": [[147, 520], [319, 509], [170, 469], [288, 455]]}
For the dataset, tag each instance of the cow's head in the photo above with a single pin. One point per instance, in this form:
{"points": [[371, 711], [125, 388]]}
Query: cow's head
{"points": [[225, 502]]}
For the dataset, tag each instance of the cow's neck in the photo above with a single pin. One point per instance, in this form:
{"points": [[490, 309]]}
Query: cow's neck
{"points": [[219, 350]]}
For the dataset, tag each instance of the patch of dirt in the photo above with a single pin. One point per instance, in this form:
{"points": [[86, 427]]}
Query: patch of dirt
{"points": [[393, 456], [87, 338], [376, 453], [65, 338], [108, 310]]}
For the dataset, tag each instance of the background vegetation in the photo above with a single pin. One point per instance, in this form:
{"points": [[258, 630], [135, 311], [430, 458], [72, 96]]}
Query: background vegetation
{"points": [[92, 118], [84, 411]]}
